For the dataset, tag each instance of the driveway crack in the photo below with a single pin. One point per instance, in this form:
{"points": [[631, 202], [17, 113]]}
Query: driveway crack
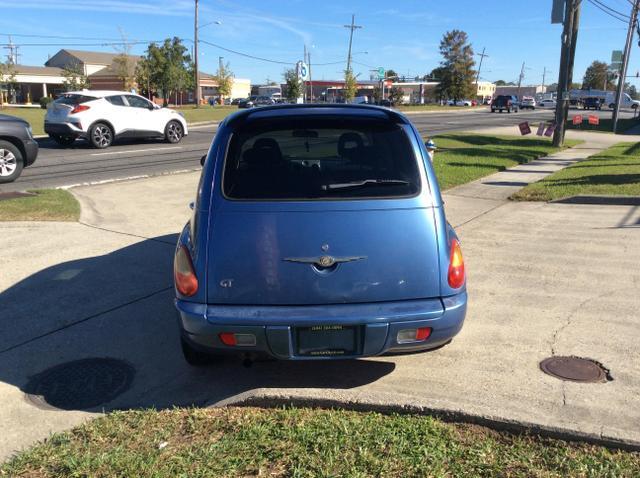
{"points": [[172, 244]]}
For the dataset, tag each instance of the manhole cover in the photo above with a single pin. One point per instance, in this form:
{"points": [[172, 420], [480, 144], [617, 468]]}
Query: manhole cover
{"points": [[81, 384], [575, 369], [14, 195]]}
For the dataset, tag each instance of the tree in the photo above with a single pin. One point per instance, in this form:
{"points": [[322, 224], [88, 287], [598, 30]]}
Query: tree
{"points": [[391, 74], [597, 77], [458, 75], [350, 86], [8, 82], [224, 78], [633, 92], [166, 68], [396, 95], [294, 85], [74, 77], [377, 94], [143, 78]]}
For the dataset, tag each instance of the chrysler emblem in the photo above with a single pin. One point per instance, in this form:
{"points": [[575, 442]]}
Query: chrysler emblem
{"points": [[324, 262]]}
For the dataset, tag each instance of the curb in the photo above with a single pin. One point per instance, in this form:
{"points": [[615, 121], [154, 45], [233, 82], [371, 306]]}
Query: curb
{"points": [[446, 415]]}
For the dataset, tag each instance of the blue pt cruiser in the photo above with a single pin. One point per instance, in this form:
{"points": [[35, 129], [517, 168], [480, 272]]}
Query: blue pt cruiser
{"points": [[318, 232]]}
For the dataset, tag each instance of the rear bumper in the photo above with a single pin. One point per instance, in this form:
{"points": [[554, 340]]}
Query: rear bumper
{"points": [[274, 327], [62, 129]]}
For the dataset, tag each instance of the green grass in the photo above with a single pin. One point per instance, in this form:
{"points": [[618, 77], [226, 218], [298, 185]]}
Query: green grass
{"points": [[233, 442], [35, 117], [206, 113], [464, 157], [434, 107], [614, 172], [605, 126], [46, 205]]}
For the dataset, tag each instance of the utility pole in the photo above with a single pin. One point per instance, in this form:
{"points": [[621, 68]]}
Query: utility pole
{"points": [[625, 62], [544, 76], [310, 80], [352, 27], [195, 49], [565, 76], [481, 55], [520, 80], [304, 82]]}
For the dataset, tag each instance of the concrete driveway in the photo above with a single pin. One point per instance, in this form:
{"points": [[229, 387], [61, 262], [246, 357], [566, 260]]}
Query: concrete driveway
{"points": [[544, 279]]}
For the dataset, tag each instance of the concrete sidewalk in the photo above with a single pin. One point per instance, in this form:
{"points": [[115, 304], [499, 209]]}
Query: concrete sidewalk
{"points": [[544, 279]]}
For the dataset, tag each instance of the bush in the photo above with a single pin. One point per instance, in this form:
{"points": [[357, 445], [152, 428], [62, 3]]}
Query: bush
{"points": [[44, 102]]}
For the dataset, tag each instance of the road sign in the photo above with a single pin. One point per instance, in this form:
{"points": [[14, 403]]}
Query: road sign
{"points": [[303, 71], [557, 11], [616, 60], [524, 128], [577, 119], [381, 73], [594, 120]]}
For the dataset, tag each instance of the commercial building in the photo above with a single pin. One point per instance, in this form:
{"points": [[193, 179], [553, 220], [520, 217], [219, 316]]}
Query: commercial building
{"points": [[533, 91], [485, 90]]}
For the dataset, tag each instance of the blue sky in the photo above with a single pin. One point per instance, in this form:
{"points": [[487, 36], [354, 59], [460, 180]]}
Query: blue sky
{"points": [[403, 35]]}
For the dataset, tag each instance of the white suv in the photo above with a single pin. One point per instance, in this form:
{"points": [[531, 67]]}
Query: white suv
{"points": [[102, 116]]}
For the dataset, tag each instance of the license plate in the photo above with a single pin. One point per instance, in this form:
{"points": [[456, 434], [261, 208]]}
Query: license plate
{"points": [[327, 340]]}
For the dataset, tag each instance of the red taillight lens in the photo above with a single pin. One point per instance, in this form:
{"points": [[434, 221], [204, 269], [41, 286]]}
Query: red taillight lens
{"points": [[228, 338], [456, 266], [183, 273], [79, 109]]}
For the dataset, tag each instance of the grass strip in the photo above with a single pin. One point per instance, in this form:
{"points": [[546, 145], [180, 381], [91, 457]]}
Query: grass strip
{"points": [[613, 172], [465, 157], [605, 126], [46, 205], [231, 442]]}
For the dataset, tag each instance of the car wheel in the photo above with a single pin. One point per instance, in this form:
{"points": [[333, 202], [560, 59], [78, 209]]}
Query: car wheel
{"points": [[493, 110], [63, 140], [612, 106], [508, 110], [173, 132], [100, 136], [11, 162], [194, 357]]}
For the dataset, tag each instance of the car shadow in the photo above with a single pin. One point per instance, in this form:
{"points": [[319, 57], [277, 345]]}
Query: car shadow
{"points": [[81, 144], [120, 306]]}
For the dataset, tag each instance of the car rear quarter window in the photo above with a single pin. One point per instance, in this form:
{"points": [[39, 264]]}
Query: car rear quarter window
{"points": [[320, 159], [116, 100], [137, 102], [68, 99]]}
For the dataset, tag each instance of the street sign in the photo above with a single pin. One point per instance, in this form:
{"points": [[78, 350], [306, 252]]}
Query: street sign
{"points": [[524, 128], [616, 60], [381, 73], [577, 119], [557, 11], [594, 120], [303, 71]]}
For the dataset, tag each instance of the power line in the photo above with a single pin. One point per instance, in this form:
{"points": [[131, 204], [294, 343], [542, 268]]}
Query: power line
{"points": [[84, 44], [62, 37], [592, 2], [248, 55], [612, 9]]}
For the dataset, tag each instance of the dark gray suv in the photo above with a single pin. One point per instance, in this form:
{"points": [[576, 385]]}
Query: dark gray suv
{"points": [[18, 149]]}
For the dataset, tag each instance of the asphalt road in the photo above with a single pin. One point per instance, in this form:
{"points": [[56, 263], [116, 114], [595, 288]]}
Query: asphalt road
{"points": [[81, 164]]}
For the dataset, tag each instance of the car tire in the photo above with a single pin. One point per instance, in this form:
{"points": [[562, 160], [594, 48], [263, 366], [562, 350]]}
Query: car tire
{"points": [[194, 357], [173, 132], [493, 110], [63, 140], [508, 110], [100, 135], [11, 162], [612, 106]]}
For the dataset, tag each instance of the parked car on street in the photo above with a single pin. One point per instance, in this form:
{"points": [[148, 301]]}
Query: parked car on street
{"points": [[547, 103], [18, 149], [528, 103], [507, 103], [459, 103], [591, 103], [318, 232], [256, 100], [104, 116]]}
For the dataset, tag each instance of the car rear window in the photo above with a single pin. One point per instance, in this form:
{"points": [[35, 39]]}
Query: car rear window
{"points": [[67, 99], [320, 159]]}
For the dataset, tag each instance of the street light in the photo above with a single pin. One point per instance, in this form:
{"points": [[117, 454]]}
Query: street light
{"points": [[196, 28]]}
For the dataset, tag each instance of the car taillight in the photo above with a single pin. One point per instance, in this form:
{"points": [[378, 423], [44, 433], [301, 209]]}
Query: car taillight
{"points": [[79, 109], [456, 266], [183, 273]]}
